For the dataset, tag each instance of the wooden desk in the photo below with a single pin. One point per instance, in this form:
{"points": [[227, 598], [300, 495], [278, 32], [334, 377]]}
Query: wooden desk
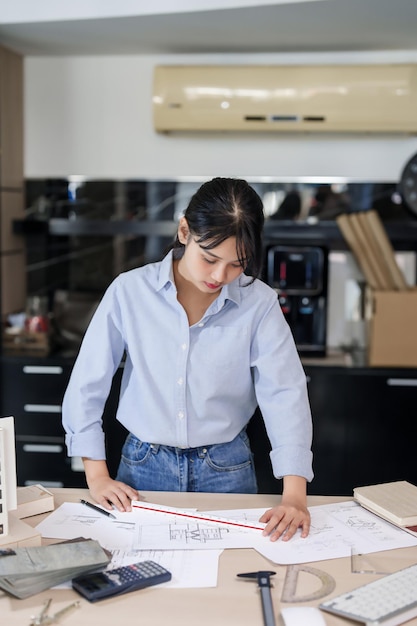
{"points": [[233, 602]]}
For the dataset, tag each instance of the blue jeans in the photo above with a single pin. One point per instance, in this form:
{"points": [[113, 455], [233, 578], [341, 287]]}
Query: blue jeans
{"points": [[221, 468]]}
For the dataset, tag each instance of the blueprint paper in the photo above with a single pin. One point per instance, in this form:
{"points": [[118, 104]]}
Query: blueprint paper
{"points": [[190, 569], [140, 531], [335, 530], [168, 513]]}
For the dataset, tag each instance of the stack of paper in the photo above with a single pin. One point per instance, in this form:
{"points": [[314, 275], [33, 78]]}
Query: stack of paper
{"points": [[26, 571]]}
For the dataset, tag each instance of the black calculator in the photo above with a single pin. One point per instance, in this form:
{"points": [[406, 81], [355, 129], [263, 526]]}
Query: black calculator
{"points": [[101, 585]]}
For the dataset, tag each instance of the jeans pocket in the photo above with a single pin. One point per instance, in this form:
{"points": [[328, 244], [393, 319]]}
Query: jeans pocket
{"points": [[231, 456], [135, 451]]}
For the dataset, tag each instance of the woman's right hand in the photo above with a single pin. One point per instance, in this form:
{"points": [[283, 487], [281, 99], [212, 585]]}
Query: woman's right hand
{"points": [[106, 491]]}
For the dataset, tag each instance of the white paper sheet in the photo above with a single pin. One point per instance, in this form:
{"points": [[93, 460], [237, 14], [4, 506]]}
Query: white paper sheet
{"points": [[190, 569], [145, 530], [335, 530]]}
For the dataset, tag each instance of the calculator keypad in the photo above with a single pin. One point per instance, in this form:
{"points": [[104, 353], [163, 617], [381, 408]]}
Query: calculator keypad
{"points": [[102, 585]]}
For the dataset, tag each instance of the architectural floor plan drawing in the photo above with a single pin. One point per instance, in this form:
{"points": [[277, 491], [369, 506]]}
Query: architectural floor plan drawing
{"points": [[336, 530], [196, 534], [132, 531]]}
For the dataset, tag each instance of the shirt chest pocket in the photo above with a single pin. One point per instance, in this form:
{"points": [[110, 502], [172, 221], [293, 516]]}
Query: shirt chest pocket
{"points": [[221, 347]]}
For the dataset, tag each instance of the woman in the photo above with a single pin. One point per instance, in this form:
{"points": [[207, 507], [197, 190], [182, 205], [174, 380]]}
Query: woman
{"points": [[205, 342]]}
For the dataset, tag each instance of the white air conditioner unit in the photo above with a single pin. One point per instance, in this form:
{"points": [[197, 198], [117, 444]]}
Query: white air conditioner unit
{"points": [[330, 98]]}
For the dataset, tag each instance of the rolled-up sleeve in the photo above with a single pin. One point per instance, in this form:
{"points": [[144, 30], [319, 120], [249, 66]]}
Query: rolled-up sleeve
{"points": [[91, 378]]}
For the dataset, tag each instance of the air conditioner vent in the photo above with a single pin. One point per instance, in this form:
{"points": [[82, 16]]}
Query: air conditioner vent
{"points": [[284, 118], [314, 118], [255, 118]]}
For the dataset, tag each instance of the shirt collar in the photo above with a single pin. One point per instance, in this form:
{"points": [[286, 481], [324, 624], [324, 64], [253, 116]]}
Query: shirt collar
{"points": [[231, 292], [166, 272], [228, 292]]}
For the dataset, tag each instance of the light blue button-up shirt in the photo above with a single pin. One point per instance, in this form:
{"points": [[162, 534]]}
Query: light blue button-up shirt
{"points": [[189, 386]]}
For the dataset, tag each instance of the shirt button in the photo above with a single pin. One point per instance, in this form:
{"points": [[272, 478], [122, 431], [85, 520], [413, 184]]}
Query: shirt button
{"points": [[180, 415], [184, 346], [201, 324], [180, 381]]}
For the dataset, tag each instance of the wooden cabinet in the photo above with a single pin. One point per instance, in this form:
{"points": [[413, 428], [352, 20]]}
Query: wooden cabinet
{"points": [[11, 118], [13, 257]]}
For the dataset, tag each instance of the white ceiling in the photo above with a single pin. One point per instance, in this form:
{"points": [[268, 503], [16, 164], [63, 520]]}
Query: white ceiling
{"points": [[292, 26]]}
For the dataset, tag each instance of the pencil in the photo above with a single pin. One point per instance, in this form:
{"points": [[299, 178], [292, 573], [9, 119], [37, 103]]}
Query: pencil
{"points": [[98, 509]]}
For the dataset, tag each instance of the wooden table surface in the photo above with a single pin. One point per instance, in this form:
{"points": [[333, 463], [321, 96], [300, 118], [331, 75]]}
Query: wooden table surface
{"points": [[234, 602]]}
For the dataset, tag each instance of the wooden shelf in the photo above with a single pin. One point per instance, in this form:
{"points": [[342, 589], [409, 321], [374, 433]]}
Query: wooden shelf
{"points": [[326, 233]]}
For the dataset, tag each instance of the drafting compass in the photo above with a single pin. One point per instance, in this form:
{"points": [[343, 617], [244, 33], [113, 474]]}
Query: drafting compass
{"points": [[43, 619], [264, 583]]}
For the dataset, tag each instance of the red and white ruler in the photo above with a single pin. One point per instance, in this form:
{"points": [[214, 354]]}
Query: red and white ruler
{"points": [[138, 505]]}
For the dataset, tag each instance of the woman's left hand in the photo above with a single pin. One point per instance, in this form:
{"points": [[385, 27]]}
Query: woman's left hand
{"points": [[284, 520]]}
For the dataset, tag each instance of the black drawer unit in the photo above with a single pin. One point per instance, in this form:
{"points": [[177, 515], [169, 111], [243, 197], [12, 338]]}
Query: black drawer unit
{"points": [[365, 427], [32, 390]]}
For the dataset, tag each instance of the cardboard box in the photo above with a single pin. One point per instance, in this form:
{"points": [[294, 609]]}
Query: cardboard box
{"points": [[392, 330], [26, 343]]}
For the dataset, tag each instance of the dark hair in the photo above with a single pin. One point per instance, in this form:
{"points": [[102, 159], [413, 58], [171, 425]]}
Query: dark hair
{"points": [[228, 207]]}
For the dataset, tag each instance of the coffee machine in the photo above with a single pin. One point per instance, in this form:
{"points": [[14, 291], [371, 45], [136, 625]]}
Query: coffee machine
{"points": [[299, 275]]}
